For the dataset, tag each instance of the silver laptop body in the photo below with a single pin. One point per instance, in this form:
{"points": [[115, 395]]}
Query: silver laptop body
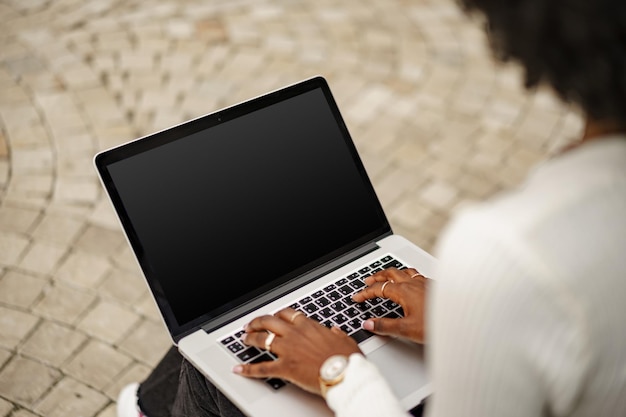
{"points": [[250, 209]]}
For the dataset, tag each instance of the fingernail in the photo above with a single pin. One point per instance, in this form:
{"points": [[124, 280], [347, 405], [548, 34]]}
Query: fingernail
{"points": [[237, 369], [244, 337], [368, 325], [245, 326]]}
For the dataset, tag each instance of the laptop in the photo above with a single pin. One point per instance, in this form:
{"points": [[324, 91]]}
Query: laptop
{"points": [[252, 208]]}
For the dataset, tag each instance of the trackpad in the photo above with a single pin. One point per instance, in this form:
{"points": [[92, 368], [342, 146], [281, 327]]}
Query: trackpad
{"points": [[403, 366]]}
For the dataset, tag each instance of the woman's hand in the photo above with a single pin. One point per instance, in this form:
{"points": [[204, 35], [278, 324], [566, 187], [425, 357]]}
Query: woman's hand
{"points": [[406, 287], [301, 344]]}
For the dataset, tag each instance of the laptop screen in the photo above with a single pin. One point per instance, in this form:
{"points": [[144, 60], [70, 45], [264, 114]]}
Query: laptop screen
{"points": [[227, 207]]}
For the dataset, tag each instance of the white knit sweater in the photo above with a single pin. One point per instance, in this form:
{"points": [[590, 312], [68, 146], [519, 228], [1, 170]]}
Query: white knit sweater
{"points": [[527, 316]]}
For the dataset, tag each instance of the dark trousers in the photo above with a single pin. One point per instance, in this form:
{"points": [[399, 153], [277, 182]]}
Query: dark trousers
{"points": [[175, 388]]}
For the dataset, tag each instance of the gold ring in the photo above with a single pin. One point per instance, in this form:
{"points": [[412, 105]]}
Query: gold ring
{"points": [[382, 289], [296, 314], [268, 340], [415, 275]]}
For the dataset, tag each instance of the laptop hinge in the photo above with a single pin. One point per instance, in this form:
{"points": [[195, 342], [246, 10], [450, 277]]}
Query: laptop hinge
{"points": [[290, 286]]}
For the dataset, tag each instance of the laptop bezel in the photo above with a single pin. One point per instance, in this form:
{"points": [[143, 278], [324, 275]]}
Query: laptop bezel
{"points": [[103, 159]]}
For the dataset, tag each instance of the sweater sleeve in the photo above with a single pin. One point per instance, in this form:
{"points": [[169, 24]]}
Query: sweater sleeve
{"points": [[363, 392], [504, 338]]}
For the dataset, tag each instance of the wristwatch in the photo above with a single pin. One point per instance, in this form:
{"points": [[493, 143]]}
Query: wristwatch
{"points": [[332, 372]]}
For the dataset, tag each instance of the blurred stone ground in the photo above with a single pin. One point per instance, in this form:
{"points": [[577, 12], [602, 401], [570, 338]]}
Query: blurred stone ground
{"points": [[437, 123]]}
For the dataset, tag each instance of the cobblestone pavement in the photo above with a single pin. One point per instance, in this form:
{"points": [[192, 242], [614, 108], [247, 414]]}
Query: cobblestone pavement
{"points": [[437, 123]]}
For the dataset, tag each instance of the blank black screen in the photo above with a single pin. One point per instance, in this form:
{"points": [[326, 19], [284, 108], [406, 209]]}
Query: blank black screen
{"points": [[242, 206]]}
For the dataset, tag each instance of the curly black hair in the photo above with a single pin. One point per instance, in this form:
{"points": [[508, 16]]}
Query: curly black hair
{"points": [[576, 46]]}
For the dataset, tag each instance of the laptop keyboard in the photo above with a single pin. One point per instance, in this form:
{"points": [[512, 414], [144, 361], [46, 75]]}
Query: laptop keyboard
{"points": [[330, 305]]}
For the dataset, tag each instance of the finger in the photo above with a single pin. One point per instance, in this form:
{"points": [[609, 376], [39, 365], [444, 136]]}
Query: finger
{"points": [[375, 290], [382, 326], [381, 276], [337, 330], [258, 370], [412, 273], [261, 340], [264, 323], [291, 316]]}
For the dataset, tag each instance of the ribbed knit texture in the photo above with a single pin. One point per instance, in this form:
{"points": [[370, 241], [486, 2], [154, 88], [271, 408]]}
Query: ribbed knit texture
{"points": [[527, 316]]}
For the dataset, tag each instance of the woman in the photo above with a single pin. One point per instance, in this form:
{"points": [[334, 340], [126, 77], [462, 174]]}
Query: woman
{"points": [[526, 315]]}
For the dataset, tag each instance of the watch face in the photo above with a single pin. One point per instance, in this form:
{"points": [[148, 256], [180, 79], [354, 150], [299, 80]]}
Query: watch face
{"points": [[333, 367]]}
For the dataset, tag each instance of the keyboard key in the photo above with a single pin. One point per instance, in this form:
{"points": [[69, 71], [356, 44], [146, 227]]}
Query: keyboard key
{"points": [[345, 290], [346, 329], [266, 357], [248, 354], [363, 306], [375, 301], [276, 383], [236, 347], [351, 312], [357, 284], [392, 315], [333, 296], [355, 324], [228, 340], [361, 335], [392, 264], [316, 317], [326, 312], [310, 308], [340, 319], [338, 306], [305, 300], [322, 301], [379, 311]]}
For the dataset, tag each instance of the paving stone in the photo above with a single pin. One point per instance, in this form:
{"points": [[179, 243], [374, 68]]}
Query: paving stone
{"points": [[4, 172], [63, 303], [147, 342], [96, 364], [76, 190], [107, 321], [147, 307], [29, 136], [24, 381], [109, 411], [52, 343], [5, 407], [32, 161], [17, 219], [23, 413], [71, 398], [133, 373], [12, 246], [99, 240], [57, 228], [122, 286], [19, 289], [5, 355], [42, 258], [104, 216], [83, 269]]}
